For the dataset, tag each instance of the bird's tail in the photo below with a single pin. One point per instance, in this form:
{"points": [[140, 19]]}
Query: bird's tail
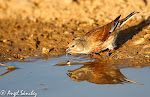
{"points": [[123, 21]]}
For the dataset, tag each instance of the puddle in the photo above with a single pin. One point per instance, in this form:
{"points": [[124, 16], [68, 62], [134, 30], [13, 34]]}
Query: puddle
{"points": [[84, 78]]}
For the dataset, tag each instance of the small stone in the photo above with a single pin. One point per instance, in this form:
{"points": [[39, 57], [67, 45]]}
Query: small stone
{"points": [[36, 55], [8, 50], [9, 58], [91, 21], [69, 63], [147, 36], [31, 36], [140, 41], [130, 57], [5, 40], [66, 32], [147, 56], [147, 46], [45, 51]]}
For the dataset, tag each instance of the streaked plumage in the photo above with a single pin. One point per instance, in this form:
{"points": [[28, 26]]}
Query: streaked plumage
{"points": [[99, 39]]}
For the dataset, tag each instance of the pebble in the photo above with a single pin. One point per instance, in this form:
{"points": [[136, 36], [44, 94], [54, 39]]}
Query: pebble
{"points": [[9, 58], [147, 56], [66, 32], [69, 63], [5, 40], [45, 50], [140, 41], [147, 46], [147, 36]]}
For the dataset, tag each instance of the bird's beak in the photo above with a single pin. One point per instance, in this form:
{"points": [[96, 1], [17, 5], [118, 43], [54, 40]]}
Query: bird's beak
{"points": [[70, 73]]}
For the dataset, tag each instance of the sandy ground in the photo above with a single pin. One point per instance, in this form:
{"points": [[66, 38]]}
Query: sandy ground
{"points": [[34, 28]]}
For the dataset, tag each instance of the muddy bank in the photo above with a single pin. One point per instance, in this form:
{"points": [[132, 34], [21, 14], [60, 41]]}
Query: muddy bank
{"points": [[45, 27]]}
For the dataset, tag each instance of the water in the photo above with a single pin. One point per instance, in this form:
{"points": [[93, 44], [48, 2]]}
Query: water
{"points": [[48, 80]]}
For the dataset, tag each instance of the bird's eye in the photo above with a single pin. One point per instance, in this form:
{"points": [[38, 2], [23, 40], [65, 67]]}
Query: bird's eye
{"points": [[74, 77], [73, 45]]}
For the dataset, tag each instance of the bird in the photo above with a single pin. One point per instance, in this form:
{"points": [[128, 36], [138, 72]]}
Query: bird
{"points": [[99, 72], [99, 39]]}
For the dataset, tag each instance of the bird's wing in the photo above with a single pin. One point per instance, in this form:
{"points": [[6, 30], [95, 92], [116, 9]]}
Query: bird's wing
{"points": [[102, 33]]}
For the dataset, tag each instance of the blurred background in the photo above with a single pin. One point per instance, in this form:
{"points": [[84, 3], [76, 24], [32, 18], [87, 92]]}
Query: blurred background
{"points": [[66, 10]]}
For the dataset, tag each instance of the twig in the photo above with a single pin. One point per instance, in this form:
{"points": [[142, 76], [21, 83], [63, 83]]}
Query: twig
{"points": [[9, 67]]}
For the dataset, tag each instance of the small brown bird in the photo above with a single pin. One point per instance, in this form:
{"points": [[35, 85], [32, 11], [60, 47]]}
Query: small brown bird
{"points": [[99, 73], [99, 39]]}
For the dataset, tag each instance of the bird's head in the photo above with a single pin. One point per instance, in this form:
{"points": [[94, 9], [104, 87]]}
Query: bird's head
{"points": [[77, 75], [78, 45]]}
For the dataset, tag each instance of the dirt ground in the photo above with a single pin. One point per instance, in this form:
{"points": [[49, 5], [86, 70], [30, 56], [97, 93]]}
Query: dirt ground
{"points": [[35, 28]]}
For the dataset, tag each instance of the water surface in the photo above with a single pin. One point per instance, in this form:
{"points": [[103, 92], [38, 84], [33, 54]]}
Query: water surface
{"points": [[49, 80]]}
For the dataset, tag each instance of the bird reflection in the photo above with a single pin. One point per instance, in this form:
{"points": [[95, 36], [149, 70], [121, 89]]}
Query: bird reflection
{"points": [[99, 73]]}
